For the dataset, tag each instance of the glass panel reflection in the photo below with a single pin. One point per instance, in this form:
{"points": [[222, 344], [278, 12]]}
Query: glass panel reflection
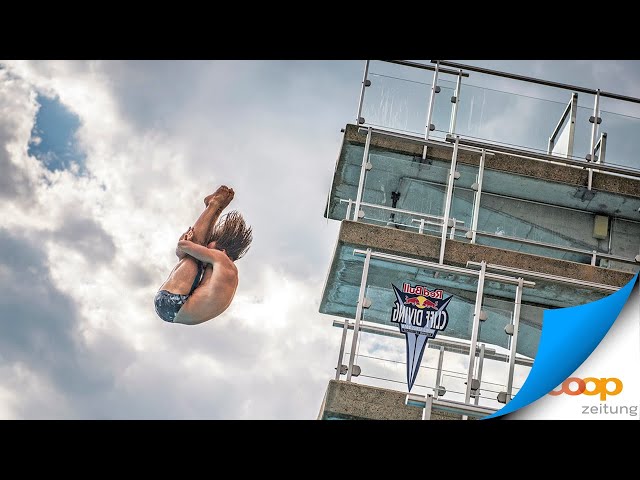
{"points": [[396, 103], [507, 118]]}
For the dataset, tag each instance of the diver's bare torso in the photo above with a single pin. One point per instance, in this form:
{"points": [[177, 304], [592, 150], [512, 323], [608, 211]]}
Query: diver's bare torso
{"points": [[214, 293]]}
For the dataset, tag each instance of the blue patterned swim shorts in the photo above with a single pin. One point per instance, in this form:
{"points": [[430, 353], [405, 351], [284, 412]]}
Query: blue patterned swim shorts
{"points": [[169, 304]]}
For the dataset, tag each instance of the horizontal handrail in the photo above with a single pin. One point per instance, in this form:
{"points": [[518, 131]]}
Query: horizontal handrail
{"points": [[546, 276], [422, 66], [443, 267], [557, 247], [461, 408], [384, 207], [539, 81], [400, 210], [397, 210], [437, 342], [541, 156], [526, 241], [440, 224], [492, 148]]}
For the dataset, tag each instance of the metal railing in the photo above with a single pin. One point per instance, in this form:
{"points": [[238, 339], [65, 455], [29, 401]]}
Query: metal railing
{"points": [[449, 344], [483, 272], [594, 254], [559, 147], [452, 224], [394, 102], [473, 347], [444, 383], [424, 218]]}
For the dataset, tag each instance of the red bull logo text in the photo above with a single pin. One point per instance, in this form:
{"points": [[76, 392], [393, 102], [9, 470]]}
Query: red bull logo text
{"points": [[422, 291]]}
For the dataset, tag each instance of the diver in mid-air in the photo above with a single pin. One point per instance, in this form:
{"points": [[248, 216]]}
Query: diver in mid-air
{"points": [[202, 284]]}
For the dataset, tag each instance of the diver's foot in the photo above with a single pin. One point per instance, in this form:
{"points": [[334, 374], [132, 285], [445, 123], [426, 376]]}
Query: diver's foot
{"points": [[222, 197]]}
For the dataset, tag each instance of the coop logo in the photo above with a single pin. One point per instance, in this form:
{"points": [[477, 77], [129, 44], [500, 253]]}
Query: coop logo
{"points": [[420, 314], [589, 386]]}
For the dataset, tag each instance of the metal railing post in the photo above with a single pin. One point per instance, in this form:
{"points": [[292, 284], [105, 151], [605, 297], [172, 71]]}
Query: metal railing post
{"points": [[447, 200], [478, 196], [476, 328], [342, 343], [594, 131], [361, 99], [363, 173], [480, 363], [439, 372], [572, 123], [432, 98], [348, 209], [514, 337], [454, 107], [601, 147], [426, 413], [356, 327]]}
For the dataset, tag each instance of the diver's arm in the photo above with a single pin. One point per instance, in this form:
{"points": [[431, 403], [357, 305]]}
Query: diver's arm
{"points": [[199, 252]]}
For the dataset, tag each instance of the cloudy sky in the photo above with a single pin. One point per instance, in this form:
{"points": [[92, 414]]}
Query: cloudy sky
{"points": [[104, 163]]}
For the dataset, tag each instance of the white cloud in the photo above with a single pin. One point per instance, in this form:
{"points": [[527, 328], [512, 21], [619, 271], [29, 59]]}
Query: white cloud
{"points": [[145, 186]]}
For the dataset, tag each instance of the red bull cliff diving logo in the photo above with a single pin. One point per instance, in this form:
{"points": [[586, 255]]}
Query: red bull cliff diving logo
{"points": [[420, 313]]}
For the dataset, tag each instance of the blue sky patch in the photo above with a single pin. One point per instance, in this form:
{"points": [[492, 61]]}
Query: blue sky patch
{"points": [[53, 139]]}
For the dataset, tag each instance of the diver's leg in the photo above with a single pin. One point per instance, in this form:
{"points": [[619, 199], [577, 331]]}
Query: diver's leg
{"points": [[216, 203], [181, 278]]}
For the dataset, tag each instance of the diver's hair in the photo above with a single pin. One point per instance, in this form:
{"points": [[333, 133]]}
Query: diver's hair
{"points": [[232, 235]]}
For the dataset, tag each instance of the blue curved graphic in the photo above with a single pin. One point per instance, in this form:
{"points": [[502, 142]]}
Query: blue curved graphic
{"points": [[569, 336]]}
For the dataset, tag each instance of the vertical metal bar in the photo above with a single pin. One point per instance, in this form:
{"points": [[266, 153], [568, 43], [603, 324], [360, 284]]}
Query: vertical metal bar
{"points": [[593, 258], [613, 223], [356, 327], [447, 200], [454, 107], [480, 362], [452, 233], [603, 147], [572, 123], [421, 229], [432, 98], [361, 99], [439, 372], [363, 173], [594, 131], [549, 146], [476, 206], [426, 413], [341, 354], [348, 209], [476, 327], [514, 337]]}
